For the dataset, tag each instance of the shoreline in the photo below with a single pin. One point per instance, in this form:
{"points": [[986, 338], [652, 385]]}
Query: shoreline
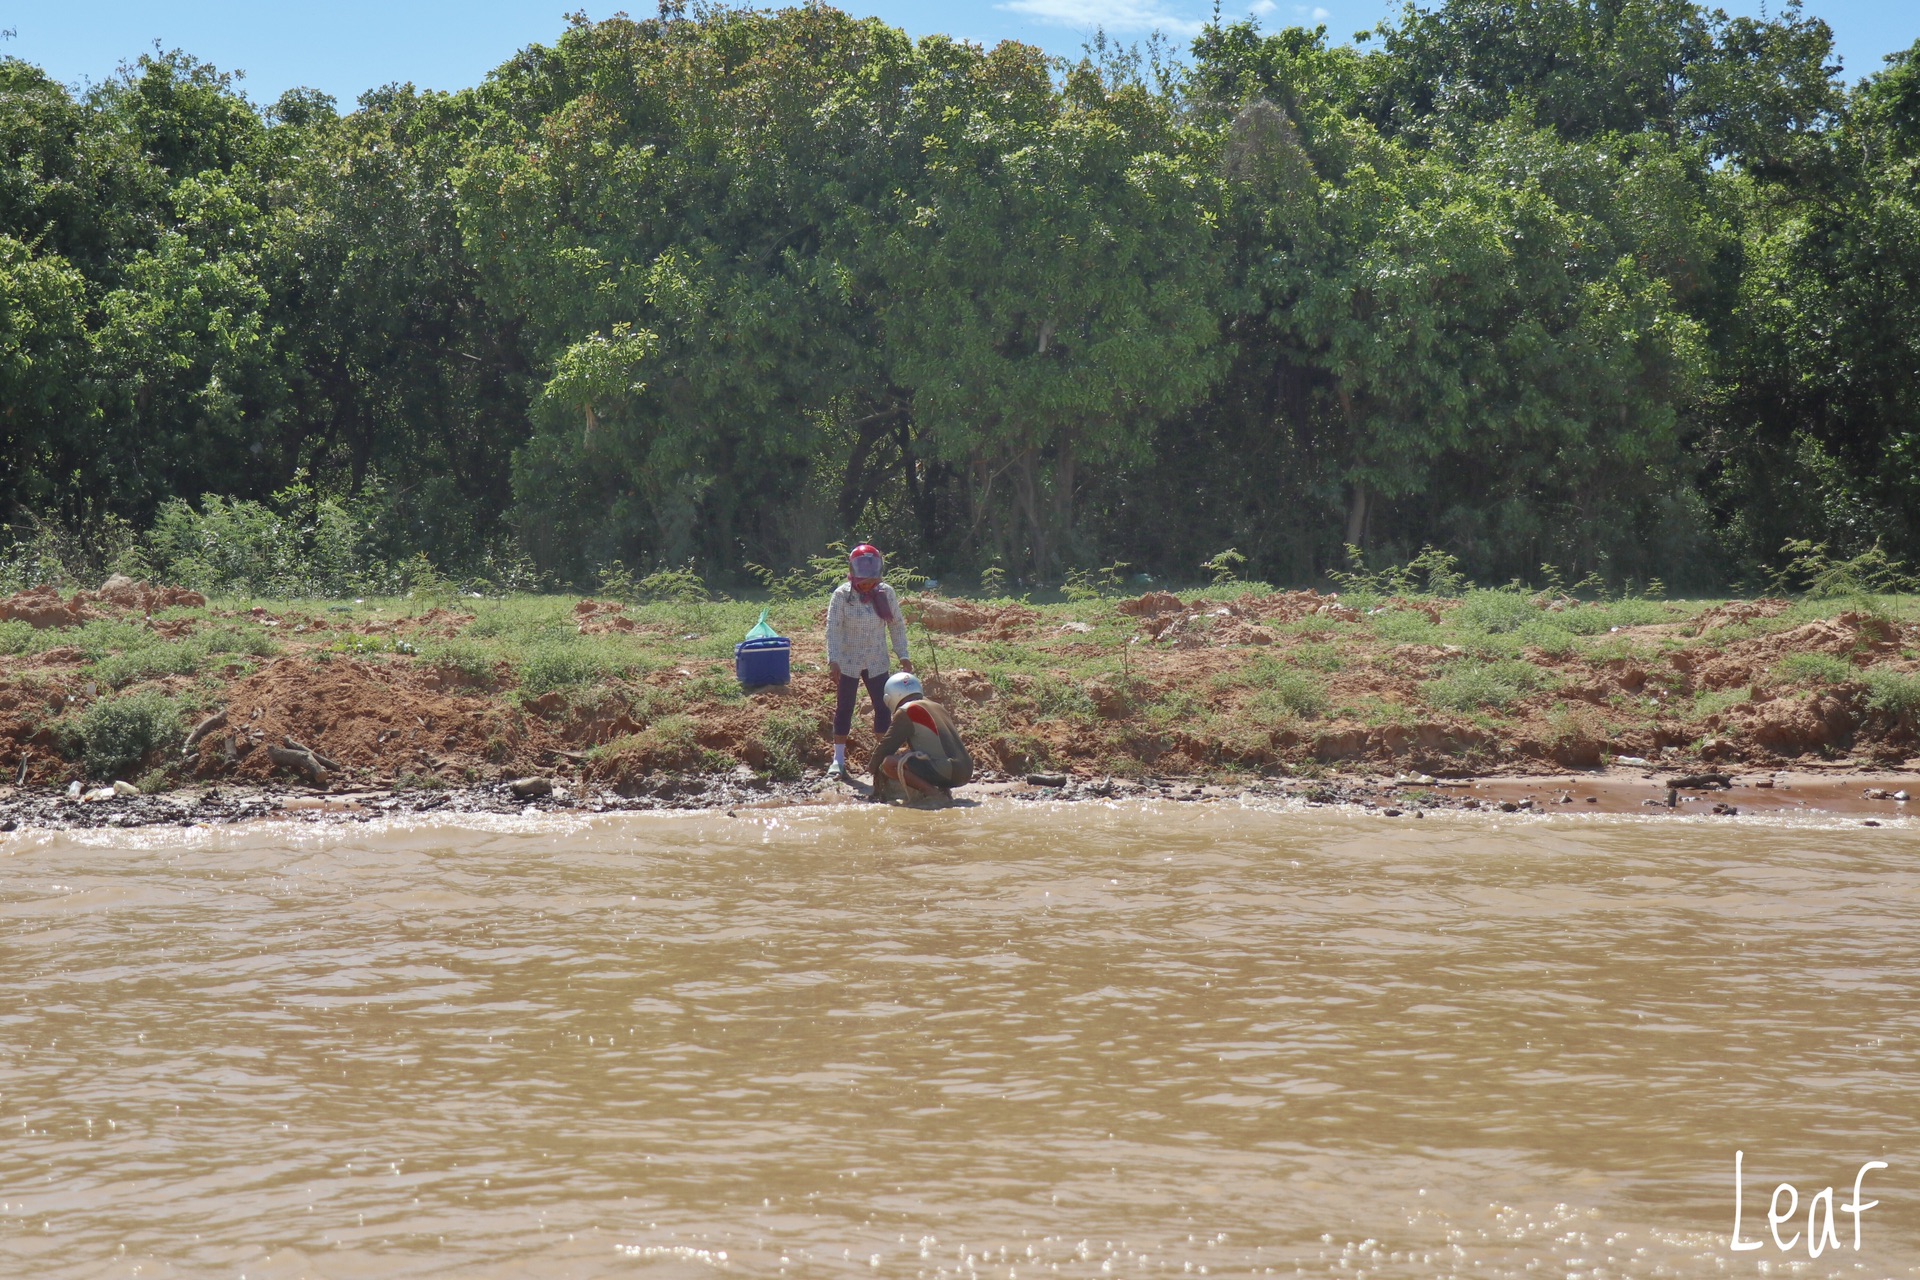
{"points": [[1871, 796], [137, 705]]}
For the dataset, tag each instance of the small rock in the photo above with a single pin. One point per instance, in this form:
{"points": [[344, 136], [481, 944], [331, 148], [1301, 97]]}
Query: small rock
{"points": [[1639, 762], [73, 790], [1046, 779], [1901, 796], [1870, 823], [125, 789], [530, 788], [1508, 806], [1390, 813], [1875, 793]]}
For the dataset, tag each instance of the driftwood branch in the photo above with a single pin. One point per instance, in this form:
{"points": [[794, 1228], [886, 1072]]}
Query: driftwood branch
{"points": [[218, 720]]}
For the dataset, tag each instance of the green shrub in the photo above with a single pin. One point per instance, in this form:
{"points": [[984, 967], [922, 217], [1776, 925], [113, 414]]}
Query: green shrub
{"points": [[1475, 686], [15, 637], [1815, 668], [115, 734], [1895, 692], [299, 542]]}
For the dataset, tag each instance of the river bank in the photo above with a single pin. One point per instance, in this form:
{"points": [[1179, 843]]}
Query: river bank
{"points": [[1873, 798], [238, 708]]}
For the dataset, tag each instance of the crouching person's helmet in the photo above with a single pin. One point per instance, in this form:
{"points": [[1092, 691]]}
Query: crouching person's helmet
{"points": [[901, 685]]}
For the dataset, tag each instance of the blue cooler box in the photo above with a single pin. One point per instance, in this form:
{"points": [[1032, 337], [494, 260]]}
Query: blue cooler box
{"points": [[763, 661]]}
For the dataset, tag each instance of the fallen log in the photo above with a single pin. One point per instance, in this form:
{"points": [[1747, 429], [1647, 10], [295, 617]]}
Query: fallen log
{"points": [[302, 760], [301, 746]]}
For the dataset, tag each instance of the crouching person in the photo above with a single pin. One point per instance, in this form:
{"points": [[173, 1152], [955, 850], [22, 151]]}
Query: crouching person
{"points": [[921, 751]]}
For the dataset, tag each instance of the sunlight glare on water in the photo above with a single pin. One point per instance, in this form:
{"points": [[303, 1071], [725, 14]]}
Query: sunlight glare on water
{"points": [[1010, 1040]]}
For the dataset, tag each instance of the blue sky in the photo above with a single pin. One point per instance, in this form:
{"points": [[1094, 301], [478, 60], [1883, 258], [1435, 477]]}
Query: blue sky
{"points": [[349, 46]]}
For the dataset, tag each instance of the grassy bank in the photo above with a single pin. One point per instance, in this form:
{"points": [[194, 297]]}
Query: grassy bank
{"points": [[1228, 682]]}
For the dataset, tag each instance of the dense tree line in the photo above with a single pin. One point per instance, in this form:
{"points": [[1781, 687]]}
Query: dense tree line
{"points": [[1619, 286]]}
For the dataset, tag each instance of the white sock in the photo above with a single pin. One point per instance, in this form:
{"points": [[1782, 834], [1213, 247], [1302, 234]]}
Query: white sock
{"points": [[839, 755]]}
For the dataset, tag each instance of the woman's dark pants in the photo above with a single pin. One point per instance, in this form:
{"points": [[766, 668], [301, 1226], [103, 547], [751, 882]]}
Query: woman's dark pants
{"points": [[849, 691]]}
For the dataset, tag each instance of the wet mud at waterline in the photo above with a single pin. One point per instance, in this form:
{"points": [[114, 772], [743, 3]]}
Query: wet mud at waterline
{"points": [[1133, 1039]]}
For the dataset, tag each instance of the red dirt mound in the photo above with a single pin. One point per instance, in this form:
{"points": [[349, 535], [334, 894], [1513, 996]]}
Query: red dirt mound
{"points": [[122, 592], [379, 719], [957, 617], [1734, 611], [42, 607]]}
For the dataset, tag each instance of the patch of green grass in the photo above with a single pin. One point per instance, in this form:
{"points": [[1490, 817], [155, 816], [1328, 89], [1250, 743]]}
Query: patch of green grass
{"points": [[1601, 617], [558, 663], [15, 637], [1468, 686], [1316, 625], [1814, 668], [467, 657], [1058, 697], [361, 646], [1711, 702], [134, 653], [714, 686], [1317, 657], [1282, 690], [1616, 649], [116, 734], [1493, 612], [1405, 626], [1178, 709], [1547, 635], [784, 737], [670, 743]]}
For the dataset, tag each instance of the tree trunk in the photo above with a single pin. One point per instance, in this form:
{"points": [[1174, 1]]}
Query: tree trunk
{"points": [[855, 487], [1357, 512]]}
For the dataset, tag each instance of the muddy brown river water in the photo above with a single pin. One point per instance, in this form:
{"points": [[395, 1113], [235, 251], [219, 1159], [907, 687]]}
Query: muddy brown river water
{"points": [[1131, 1040]]}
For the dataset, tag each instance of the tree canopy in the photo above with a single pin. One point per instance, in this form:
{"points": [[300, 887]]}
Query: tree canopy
{"points": [[1623, 285]]}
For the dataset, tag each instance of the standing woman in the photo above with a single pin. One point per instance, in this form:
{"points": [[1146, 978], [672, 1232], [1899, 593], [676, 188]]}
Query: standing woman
{"points": [[861, 617]]}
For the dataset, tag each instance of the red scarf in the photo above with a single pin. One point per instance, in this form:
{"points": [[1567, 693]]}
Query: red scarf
{"points": [[872, 596]]}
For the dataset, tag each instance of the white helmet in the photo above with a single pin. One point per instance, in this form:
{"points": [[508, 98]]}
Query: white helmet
{"points": [[901, 685]]}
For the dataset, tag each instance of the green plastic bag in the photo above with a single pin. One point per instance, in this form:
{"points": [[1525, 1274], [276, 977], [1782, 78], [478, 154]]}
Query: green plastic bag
{"points": [[761, 631]]}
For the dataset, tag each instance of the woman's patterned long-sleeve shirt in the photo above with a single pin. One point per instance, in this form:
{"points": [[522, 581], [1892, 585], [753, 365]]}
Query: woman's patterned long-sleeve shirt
{"points": [[856, 636]]}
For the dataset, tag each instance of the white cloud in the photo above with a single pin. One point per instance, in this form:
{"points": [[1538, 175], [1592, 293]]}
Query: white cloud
{"points": [[1261, 8], [1118, 17]]}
